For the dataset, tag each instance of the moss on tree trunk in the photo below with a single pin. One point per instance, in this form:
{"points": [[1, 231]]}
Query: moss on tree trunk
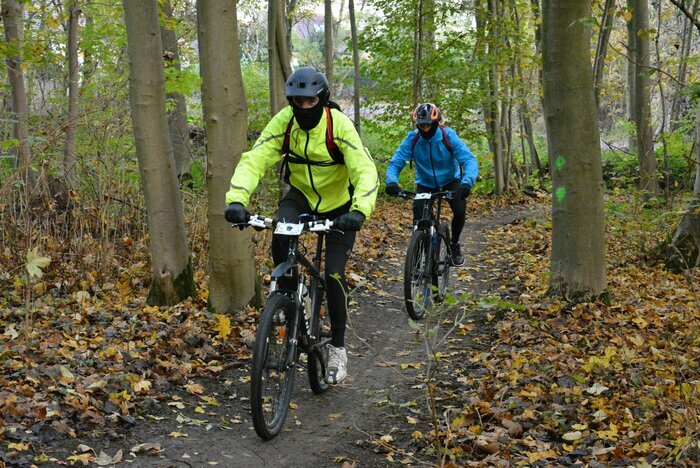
{"points": [[168, 291]]}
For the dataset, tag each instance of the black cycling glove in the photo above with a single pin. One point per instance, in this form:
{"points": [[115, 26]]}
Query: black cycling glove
{"points": [[351, 221], [464, 191], [392, 188], [236, 213]]}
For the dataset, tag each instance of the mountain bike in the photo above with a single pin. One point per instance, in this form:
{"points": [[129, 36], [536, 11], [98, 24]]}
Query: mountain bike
{"points": [[293, 322], [428, 256]]}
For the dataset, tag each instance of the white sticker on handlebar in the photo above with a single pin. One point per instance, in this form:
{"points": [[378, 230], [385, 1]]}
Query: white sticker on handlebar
{"points": [[289, 229], [423, 196]]}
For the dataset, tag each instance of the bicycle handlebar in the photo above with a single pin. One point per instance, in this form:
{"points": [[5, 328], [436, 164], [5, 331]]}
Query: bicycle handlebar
{"points": [[261, 222], [445, 194]]}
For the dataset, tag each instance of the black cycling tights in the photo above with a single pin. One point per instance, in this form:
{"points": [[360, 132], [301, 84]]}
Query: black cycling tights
{"points": [[458, 207], [338, 247]]}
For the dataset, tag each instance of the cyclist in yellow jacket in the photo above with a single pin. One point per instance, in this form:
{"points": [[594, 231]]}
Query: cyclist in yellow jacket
{"points": [[330, 173]]}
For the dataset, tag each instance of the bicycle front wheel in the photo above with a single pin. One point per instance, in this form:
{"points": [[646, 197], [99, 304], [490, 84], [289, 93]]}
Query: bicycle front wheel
{"points": [[443, 259], [272, 374], [319, 336], [417, 275]]}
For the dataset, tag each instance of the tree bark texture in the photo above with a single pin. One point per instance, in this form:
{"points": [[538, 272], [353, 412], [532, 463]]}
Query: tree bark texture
{"points": [[648, 182], [231, 261], [278, 54], [69, 156], [631, 73], [328, 41], [683, 250], [606, 24], [177, 115], [578, 243], [172, 268], [356, 65], [494, 82], [12, 17]]}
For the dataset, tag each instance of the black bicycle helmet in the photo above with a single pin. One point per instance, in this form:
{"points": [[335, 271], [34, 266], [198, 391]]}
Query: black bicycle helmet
{"points": [[308, 82], [426, 114]]}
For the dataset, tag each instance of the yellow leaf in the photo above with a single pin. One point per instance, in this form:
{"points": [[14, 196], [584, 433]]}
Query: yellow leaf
{"points": [[386, 438], [178, 434], [84, 458], [35, 263], [199, 410], [142, 386], [417, 435], [458, 422], [528, 414], [537, 456], [571, 436], [411, 420], [66, 375], [211, 401], [194, 388], [293, 406], [580, 427], [19, 446], [223, 325]]}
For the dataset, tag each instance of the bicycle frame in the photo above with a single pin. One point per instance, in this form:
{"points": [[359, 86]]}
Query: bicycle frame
{"points": [[290, 269], [430, 219]]}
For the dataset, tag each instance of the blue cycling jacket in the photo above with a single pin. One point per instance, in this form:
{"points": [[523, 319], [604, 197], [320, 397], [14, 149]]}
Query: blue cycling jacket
{"points": [[435, 165]]}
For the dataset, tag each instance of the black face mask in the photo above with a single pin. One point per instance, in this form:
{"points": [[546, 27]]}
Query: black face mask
{"points": [[430, 133], [308, 118]]}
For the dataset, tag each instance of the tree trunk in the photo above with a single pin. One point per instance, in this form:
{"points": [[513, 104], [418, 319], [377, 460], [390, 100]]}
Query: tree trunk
{"points": [[648, 182], [69, 156], [278, 54], [328, 41], [686, 42], [356, 64], [606, 23], [683, 249], [631, 74], [494, 98], [578, 242], [173, 278], [177, 115], [231, 262], [12, 17], [417, 54]]}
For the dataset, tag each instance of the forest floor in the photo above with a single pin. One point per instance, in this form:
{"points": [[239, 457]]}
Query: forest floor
{"points": [[502, 376]]}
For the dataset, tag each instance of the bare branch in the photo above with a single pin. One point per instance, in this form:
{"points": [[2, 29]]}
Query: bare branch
{"points": [[681, 6]]}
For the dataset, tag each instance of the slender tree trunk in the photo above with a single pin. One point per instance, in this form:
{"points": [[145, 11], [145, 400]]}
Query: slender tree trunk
{"points": [[648, 182], [12, 17], [417, 54], [88, 65], [601, 50], [682, 251], [578, 241], [278, 54], [231, 262], [177, 115], [356, 64], [328, 40], [69, 156], [631, 74], [494, 99], [173, 278], [686, 43]]}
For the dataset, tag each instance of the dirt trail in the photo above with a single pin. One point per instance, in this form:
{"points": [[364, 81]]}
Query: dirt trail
{"points": [[338, 426]]}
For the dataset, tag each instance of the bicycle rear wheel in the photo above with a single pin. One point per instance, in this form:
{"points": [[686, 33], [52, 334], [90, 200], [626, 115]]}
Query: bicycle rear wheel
{"points": [[416, 276], [319, 336], [443, 259], [272, 376]]}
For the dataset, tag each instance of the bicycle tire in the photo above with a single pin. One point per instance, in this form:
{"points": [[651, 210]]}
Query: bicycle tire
{"points": [[443, 259], [269, 369], [319, 331], [416, 277]]}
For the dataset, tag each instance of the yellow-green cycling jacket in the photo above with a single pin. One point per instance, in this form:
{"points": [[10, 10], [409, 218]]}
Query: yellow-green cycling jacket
{"points": [[326, 186]]}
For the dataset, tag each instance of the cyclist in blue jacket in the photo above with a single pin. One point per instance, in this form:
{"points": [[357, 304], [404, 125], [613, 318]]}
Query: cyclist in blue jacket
{"points": [[443, 162]]}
